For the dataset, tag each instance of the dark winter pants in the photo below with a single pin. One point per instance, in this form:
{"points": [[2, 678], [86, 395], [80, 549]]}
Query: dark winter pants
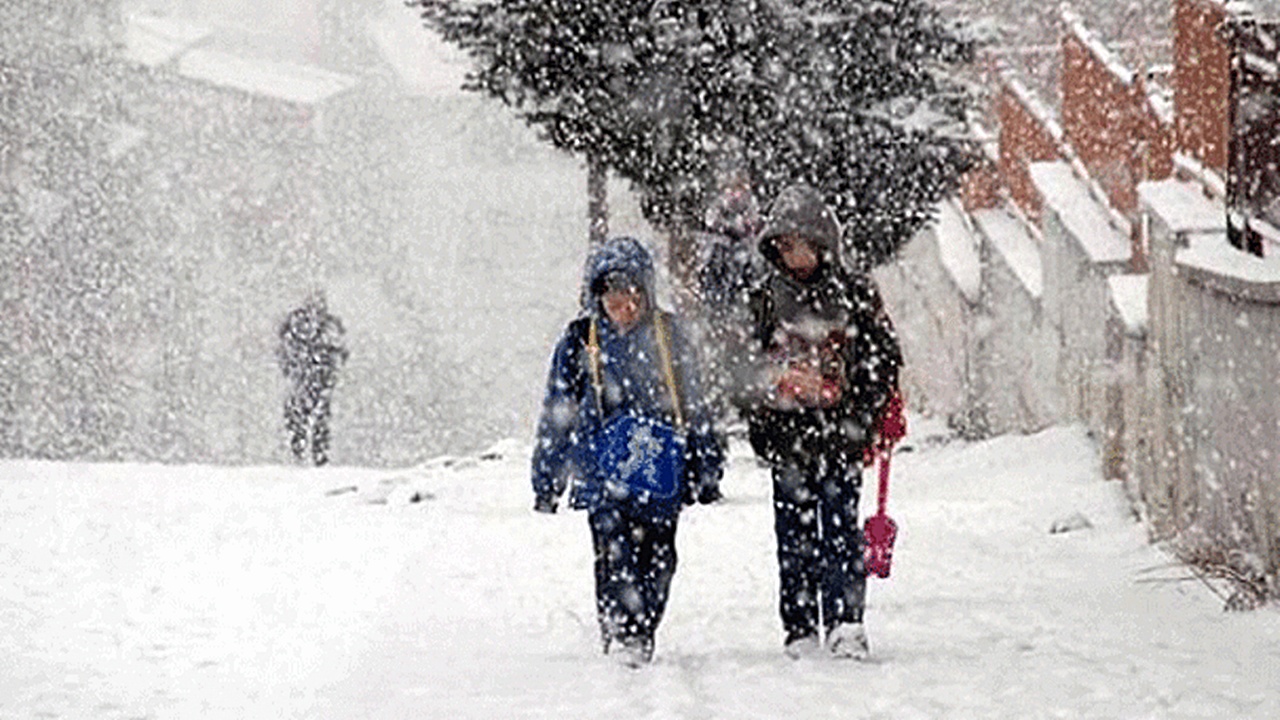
{"points": [[306, 415], [815, 506], [635, 559]]}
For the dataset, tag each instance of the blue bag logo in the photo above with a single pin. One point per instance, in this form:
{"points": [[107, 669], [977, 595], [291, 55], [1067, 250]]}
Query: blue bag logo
{"points": [[642, 458]]}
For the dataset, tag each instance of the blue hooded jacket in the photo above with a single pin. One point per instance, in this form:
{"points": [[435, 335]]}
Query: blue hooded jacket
{"points": [[633, 382]]}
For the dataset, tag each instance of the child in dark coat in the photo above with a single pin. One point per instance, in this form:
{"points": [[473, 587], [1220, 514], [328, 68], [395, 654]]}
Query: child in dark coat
{"points": [[832, 360], [623, 356]]}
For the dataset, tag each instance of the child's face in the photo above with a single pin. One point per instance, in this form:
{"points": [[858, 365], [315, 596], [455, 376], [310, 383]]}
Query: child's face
{"points": [[798, 255], [625, 306]]}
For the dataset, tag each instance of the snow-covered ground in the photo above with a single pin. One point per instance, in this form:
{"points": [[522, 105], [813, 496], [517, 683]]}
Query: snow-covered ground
{"points": [[131, 591]]}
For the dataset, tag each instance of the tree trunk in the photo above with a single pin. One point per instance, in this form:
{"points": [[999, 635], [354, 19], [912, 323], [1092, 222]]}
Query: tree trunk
{"points": [[597, 200], [680, 249]]}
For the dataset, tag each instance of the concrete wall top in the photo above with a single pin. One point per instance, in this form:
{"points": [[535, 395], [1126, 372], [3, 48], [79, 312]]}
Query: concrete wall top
{"points": [[1211, 261], [1263, 9], [1182, 207], [1012, 240], [1083, 216], [1129, 298]]}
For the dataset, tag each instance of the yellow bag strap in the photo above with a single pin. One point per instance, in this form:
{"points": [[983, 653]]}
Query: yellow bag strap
{"points": [[593, 356], [664, 349], [660, 327]]}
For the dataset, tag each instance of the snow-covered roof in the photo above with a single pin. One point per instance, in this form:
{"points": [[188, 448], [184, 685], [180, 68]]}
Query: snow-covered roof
{"points": [[284, 81], [1013, 241], [153, 40], [958, 250], [1212, 261], [420, 58], [1086, 219], [1129, 297], [1182, 207]]}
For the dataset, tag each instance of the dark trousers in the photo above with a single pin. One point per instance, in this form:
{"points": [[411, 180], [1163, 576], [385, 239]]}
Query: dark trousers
{"points": [[635, 559], [306, 415], [815, 506]]}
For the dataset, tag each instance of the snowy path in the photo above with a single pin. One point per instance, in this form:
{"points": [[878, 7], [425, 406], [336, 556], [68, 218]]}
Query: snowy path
{"points": [[131, 592]]}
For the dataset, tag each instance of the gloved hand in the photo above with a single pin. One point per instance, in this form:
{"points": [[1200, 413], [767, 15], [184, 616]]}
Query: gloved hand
{"points": [[893, 422], [889, 429], [544, 504]]}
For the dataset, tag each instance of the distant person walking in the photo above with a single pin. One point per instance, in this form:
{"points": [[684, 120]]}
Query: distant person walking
{"points": [[310, 352], [728, 268]]}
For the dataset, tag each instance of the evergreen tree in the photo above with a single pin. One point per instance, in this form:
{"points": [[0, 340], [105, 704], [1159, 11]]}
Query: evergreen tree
{"points": [[855, 97]]}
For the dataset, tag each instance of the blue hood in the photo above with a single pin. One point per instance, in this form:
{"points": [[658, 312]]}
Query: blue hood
{"points": [[624, 254]]}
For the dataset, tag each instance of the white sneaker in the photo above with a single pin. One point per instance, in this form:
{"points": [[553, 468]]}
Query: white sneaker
{"points": [[802, 648], [848, 641], [631, 655]]}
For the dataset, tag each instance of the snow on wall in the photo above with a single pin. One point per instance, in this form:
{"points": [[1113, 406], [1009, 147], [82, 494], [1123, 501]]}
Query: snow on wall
{"points": [[1129, 298], [1017, 356], [1221, 266], [1085, 219], [1028, 133], [1014, 244], [1212, 399], [1109, 122], [958, 250], [1081, 250], [1229, 311], [934, 322], [1183, 207], [983, 357]]}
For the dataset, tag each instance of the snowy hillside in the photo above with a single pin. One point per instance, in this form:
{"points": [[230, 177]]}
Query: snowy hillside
{"points": [[434, 592]]}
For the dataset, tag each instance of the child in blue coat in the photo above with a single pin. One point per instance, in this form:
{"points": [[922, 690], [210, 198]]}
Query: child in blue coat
{"points": [[622, 356]]}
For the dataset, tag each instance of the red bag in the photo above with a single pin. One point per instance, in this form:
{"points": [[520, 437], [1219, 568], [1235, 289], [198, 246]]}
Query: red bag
{"points": [[879, 531]]}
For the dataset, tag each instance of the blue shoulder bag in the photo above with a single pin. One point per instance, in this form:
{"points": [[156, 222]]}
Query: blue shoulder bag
{"points": [[640, 459]]}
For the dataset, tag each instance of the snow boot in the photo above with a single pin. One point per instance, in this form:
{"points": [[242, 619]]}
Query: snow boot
{"points": [[802, 647], [632, 652], [848, 641]]}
